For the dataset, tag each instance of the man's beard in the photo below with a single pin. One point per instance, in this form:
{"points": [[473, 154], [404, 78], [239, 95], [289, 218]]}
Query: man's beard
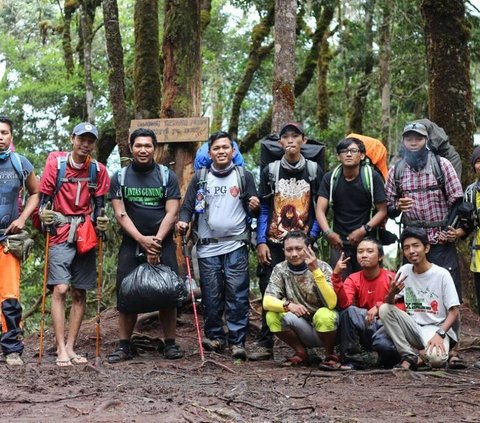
{"points": [[417, 160]]}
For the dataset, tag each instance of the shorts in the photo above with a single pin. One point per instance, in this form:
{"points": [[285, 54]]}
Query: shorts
{"points": [[65, 266], [127, 257]]}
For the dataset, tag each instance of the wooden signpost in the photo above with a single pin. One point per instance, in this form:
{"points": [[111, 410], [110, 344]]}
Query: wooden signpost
{"points": [[175, 130]]}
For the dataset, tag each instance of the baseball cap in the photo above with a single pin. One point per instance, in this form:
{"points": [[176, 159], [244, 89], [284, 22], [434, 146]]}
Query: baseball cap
{"points": [[85, 128], [292, 125], [419, 128]]}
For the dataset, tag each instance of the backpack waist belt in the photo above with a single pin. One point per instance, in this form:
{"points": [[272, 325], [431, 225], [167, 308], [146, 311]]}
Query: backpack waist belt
{"points": [[244, 236], [425, 223], [426, 189]]}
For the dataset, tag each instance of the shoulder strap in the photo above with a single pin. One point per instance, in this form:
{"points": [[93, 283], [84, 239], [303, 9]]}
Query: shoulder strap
{"points": [[366, 174], [164, 174], [61, 171], [437, 170], [273, 174], [334, 183], [312, 168], [93, 170], [240, 171], [17, 165], [398, 169], [121, 179]]}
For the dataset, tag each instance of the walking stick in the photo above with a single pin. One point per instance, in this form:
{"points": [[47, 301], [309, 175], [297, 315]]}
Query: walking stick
{"points": [[98, 360], [186, 254], [44, 294]]}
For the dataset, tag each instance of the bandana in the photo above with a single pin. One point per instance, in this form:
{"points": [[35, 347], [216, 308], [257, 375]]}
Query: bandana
{"points": [[417, 160], [296, 168], [297, 270], [4, 155], [222, 172]]}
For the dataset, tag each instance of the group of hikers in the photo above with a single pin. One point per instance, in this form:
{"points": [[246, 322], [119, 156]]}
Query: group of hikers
{"points": [[347, 305]]}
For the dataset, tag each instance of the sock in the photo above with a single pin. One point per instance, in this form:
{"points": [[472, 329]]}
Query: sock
{"points": [[124, 344], [169, 342]]}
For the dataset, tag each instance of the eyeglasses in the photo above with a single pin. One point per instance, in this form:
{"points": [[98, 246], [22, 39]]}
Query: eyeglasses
{"points": [[350, 150]]}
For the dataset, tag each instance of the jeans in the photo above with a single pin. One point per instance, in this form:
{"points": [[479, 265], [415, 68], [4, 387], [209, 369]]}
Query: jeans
{"points": [[355, 332], [225, 287]]}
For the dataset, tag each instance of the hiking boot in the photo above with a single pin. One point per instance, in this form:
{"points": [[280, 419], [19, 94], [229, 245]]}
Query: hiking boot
{"points": [[238, 352], [14, 359], [259, 353], [172, 352], [213, 345]]}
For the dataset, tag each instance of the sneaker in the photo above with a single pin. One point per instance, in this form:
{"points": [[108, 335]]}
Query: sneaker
{"points": [[14, 359], [477, 365], [238, 352], [213, 345], [259, 353]]}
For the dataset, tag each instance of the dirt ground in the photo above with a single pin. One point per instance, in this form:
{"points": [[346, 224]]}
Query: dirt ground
{"points": [[152, 389]]}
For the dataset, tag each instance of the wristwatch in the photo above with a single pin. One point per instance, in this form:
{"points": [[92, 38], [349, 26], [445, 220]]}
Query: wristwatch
{"points": [[286, 303], [367, 228], [440, 332]]}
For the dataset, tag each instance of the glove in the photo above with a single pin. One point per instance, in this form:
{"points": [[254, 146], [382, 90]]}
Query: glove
{"points": [[47, 215], [102, 223]]}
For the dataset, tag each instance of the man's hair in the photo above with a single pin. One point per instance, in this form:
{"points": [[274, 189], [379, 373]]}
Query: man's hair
{"points": [[412, 232], [5, 119], [347, 142], [377, 243], [143, 132], [216, 136], [296, 235]]}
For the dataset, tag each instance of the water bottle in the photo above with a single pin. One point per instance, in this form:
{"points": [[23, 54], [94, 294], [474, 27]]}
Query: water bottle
{"points": [[200, 201]]}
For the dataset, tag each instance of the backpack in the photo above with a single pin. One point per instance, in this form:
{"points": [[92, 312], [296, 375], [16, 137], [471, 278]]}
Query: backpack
{"points": [[439, 146], [271, 152], [376, 153], [202, 159], [162, 170], [91, 180]]}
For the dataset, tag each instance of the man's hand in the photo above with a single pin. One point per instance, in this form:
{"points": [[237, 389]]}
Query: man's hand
{"points": [[47, 215], [405, 204], [182, 227], [450, 235], [253, 204], [298, 309], [335, 241], [341, 264], [436, 342], [103, 222], [371, 315], [356, 236], [263, 254], [310, 259], [150, 245], [16, 226], [396, 286]]}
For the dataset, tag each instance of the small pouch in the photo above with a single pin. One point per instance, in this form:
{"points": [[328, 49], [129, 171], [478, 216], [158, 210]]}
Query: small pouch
{"points": [[86, 236], [20, 245]]}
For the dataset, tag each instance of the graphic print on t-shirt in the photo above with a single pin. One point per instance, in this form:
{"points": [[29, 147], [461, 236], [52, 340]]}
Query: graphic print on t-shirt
{"points": [[290, 208], [145, 196], [9, 187], [425, 302]]}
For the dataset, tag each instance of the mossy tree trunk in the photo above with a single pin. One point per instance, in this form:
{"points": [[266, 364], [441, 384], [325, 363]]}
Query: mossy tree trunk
{"points": [[116, 81], [384, 68], [146, 75], [357, 108], [257, 53], [450, 104], [284, 63]]}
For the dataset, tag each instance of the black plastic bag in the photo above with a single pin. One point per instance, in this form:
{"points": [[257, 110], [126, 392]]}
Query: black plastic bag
{"points": [[150, 288]]}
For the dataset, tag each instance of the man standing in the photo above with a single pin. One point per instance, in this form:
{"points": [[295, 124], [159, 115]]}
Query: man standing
{"points": [[221, 210], [16, 173], [431, 302], [288, 204], [360, 297], [75, 196], [426, 198], [300, 301], [354, 191], [145, 198]]}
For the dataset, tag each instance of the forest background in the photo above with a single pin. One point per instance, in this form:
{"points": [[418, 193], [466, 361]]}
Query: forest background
{"points": [[337, 66]]}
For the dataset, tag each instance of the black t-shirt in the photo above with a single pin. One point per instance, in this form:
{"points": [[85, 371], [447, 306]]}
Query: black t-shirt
{"points": [[351, 201], [145, 196]]}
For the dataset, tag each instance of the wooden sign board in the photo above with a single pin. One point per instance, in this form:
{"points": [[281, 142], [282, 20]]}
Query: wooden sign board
{"points": [[175, 130]]}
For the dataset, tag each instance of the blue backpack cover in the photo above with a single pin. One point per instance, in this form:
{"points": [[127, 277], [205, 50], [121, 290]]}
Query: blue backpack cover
{"points": [[202, 159]]}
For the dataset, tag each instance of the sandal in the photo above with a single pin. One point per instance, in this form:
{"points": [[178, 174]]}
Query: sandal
{"points": [[63, 363], [300, 358], [410, 359], [331, 362], [78, 359], [456, 362], [172, 352], [119, 355]]}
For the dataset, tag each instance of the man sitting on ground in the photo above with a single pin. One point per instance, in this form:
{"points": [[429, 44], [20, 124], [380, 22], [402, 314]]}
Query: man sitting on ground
{"points": [[360, 297], [300, 301], [431, 302]]}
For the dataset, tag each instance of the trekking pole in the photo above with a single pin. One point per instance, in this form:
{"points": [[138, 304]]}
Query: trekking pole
{"points": [[44, 295], [186, 254], [101, 238]]}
